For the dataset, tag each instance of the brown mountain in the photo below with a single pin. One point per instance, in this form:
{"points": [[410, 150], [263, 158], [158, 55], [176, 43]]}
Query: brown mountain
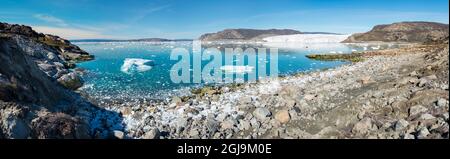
{"points": [[246, 34], [402, 32]]}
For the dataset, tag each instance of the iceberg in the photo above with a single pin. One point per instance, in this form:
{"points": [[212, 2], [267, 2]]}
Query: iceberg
{"points": [[237, 69], [131, 65]]}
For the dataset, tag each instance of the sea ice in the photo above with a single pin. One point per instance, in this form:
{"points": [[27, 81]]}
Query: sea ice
{"points": [[237, 69], [135, 64]]}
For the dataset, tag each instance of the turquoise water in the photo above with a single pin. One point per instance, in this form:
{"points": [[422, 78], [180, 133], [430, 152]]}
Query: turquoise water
{"points": [[107, 78]]}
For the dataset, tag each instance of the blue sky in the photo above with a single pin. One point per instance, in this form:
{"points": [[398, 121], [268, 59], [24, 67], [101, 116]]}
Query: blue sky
{"points": [[80, 19]]}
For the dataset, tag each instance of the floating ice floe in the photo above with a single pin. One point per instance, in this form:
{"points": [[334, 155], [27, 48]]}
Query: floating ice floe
{"points": [[376, 48], [131, 65], [236, 69]]}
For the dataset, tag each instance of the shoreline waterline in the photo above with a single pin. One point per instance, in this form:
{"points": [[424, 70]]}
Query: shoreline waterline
{"points": [[104, 78]]}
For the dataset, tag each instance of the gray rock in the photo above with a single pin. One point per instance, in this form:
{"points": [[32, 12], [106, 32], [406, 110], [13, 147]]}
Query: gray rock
{"points": [[212, 125], [414, 74], [423, 133], [361, 115], [244, 125], [441, 102], [222, 117], [153, 133], [309, 97], [363, 127], [118, 134], [60, 73], [176, 100], [290, 103], [13, 124], [409, 136], [58, 64], [401, 124], [445, 116], [146, 128], [181, 123], [71, 81], [431, 77], [228, 124], [245, 100], [427, 117], [423, 82], [417, 109], [378, 94], [51, 56], [255, 124], [215, 98], [193, 133], [47, 67], [262, 113]]}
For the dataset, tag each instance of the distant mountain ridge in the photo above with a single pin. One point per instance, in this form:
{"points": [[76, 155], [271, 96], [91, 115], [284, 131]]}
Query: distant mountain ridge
{"points": [[130, 40], [403, 32], [246, 34], [227, 34]]}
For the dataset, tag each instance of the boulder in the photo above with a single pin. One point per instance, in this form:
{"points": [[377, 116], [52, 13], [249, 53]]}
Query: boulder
{"points": [[117, 134], [59, 126], [417, 109], [401, 124], [262, 113], [423, 133], [282, 116], [71, 80], [441, 102], [153, 133], [363, 127], [12, 123]]}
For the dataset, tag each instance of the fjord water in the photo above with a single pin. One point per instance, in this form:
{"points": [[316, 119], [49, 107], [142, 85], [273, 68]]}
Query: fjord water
{"points": [[119, 70]]}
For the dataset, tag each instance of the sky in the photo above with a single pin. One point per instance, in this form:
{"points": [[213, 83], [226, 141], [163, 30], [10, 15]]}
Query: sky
{"points": [[180, 19]]}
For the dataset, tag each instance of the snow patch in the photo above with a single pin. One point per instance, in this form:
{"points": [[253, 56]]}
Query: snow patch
{"points": [[308, 38]]}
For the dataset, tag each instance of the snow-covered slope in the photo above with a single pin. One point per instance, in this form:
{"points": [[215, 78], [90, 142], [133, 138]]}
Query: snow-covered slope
{"points": [[308, 38]]}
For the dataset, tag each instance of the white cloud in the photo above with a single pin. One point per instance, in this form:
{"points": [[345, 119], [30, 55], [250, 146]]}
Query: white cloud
{"points": [[51, 19], [71, 33]]}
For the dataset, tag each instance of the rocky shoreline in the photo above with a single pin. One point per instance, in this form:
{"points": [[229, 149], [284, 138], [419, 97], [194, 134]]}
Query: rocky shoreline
{"points": [[388, 94], [392, 94], [37, 83]]}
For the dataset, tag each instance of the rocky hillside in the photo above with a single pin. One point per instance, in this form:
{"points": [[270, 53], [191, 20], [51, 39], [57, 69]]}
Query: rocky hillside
{"points": [[245, 34], [68, 51], [403, 32], [36, 83]]}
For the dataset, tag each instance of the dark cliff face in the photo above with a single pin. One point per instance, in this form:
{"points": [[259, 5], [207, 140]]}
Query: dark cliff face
{"points": [[70, 52], [246, 34], [23, 81], [36, 100], [418, 32], [33, 65]]}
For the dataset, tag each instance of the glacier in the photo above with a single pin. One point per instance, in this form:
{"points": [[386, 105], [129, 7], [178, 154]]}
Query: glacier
{"points": [[308, 38]]}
